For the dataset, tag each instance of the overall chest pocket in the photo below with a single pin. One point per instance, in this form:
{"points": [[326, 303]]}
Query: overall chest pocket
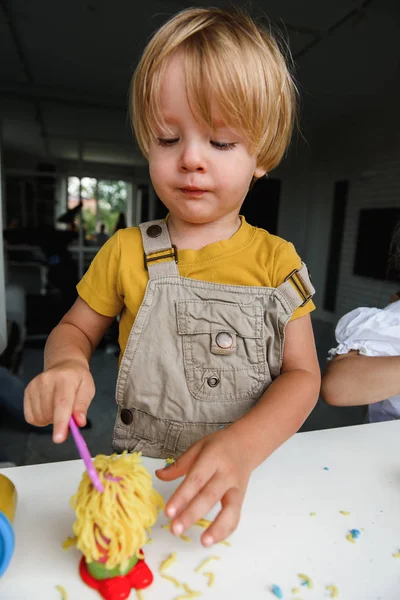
{"points": [[223, 349]]}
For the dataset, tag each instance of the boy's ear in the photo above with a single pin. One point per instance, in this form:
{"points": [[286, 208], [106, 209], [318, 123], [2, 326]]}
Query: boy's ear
{"points": [[259, 172]]}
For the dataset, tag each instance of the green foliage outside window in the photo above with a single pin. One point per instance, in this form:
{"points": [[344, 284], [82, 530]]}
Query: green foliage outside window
{"points": [[111, 198]]}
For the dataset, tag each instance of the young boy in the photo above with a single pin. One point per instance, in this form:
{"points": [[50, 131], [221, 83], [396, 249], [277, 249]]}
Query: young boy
{"points": [[218, 362]]}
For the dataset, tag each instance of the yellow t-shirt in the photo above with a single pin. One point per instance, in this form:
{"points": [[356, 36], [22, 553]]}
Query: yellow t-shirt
{"points": [[115, 282]]}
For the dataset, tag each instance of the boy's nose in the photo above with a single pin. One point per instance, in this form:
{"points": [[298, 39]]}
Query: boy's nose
{"points": [[192, 159]]}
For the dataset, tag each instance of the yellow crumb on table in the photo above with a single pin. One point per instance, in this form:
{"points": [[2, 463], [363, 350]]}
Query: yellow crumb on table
{"points": [[173, 580], [205, 562], [63, 592], [70, 541], [334, 591], [396, 555], [189, 593], [296, 590], [345, 513], [211, 578], [306, 581], [350, 538], [183, 537], [203, 523], [165, 565], [313, 514], [168, 562]]}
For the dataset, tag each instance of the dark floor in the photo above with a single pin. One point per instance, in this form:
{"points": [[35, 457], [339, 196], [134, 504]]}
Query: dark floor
{"points": [[24, 447]]}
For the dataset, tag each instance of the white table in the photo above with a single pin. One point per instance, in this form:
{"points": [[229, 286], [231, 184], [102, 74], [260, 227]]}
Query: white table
{"points": [[277, 537]]}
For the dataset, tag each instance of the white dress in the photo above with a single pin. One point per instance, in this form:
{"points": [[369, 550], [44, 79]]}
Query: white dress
{"points": [[373, 332]]}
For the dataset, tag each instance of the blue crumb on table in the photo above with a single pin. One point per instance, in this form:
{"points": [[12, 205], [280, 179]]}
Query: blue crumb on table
{"points": [[326, 468], [276, 590], [353, 535]]}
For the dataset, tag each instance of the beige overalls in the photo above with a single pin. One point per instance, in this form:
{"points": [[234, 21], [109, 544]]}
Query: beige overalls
{"points": [[199, 354]]}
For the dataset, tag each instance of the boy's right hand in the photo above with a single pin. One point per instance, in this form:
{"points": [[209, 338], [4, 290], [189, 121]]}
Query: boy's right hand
{"points": [[53, 396]]}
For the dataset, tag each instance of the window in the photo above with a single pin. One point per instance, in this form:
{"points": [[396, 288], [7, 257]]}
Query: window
{"points": [[103, 202]]}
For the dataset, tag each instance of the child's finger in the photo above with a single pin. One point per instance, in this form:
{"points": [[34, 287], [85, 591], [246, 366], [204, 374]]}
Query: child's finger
{"points": [[196, 479], [63, 401], [181, 466], [42, 414], [80, 416], [28, 406], [201, 504], [37, 410], [227, 520], [82, 402]]}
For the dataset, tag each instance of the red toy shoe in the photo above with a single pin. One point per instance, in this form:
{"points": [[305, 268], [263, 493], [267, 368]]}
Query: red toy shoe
{"points": [[118, 588]]}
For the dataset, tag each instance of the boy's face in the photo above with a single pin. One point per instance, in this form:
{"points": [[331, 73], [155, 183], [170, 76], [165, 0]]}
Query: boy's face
{"points": [[201, 175]]}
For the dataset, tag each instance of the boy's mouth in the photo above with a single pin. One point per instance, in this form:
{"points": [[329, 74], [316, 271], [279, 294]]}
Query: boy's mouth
{"points": [[192, 191]]}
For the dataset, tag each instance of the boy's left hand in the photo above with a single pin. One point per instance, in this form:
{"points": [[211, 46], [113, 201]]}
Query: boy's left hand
{"points": [[216, 470]]}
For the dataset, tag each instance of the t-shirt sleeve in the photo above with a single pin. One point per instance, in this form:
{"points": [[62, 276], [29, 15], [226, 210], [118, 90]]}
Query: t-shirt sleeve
{"points": [[285, 261], [371, 331], [99, 287]]}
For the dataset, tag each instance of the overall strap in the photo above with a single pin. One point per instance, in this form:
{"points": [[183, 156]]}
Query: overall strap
{"points": [[160, 256], [297, 287]]}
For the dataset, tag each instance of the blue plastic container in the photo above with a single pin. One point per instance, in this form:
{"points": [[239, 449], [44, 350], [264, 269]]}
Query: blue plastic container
{"points": [[8, 503]]}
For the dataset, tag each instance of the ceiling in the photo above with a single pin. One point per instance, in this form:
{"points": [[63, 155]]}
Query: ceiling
{"points": [[64, 81]]}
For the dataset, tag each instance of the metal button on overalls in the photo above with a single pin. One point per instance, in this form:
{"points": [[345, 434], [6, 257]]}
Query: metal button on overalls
{"points": [[126, 416], [213, 381], [154, 231], [224, 340]]}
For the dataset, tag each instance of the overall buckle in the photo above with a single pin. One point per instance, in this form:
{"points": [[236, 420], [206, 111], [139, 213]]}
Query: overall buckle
{"points": [[149, 258], [304, 293]]}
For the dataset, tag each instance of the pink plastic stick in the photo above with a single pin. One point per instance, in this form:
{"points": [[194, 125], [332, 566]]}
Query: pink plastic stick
{"points": [[85, 454]]}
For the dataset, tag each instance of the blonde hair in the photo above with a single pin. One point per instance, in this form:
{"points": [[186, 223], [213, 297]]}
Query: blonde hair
{"points": [[115, 523], [226, 57]]}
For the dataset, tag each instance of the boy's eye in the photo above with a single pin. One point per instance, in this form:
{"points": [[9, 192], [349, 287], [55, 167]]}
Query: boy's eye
{"points": [[218, 145], [224, 145], [167, 142]]}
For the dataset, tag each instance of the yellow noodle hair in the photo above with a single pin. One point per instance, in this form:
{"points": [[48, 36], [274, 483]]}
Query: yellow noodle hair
{"points": [[122, 514]]}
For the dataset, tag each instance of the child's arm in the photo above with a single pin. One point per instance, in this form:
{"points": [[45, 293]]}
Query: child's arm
{"points": [[218, 467], [66, 386], [353, 379]]}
